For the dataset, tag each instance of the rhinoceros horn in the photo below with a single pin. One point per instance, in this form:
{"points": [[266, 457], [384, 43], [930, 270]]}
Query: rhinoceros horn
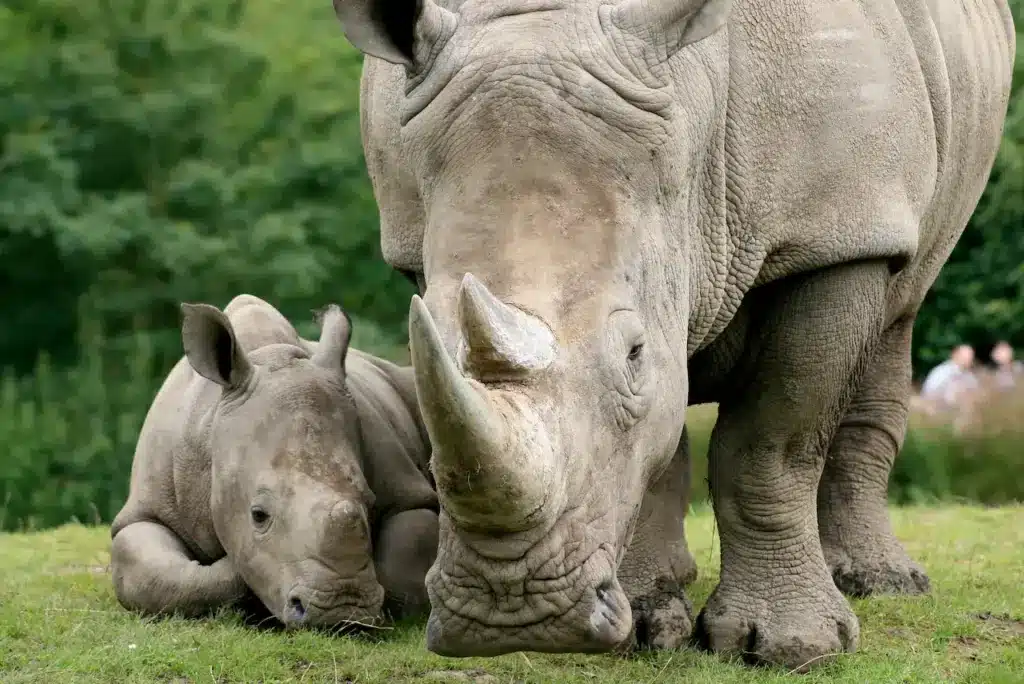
{"points": [[491, 458], [500, 341]]}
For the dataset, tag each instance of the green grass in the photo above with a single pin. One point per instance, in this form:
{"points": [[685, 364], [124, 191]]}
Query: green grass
{"points": [[59, 622]]}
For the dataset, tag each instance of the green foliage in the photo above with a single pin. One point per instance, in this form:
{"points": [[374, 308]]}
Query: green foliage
{"points": [[69, 437], [159, 151], [982, 462], [151, 153]]}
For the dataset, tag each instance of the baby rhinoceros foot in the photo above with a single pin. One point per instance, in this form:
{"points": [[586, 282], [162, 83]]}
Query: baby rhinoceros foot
{"points": [[662, 618], [796, 629], [875, 574]]}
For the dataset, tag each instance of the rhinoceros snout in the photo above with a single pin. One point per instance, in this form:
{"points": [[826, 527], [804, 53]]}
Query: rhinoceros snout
{"points": [[600, 621], [304, 608]]}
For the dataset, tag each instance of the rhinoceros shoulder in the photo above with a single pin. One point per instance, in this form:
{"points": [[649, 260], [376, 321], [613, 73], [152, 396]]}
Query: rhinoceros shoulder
{"points": [[396, 446]]}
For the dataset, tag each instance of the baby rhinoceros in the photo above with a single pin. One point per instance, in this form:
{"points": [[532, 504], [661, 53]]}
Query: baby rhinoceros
{"points": [[294, 469]]}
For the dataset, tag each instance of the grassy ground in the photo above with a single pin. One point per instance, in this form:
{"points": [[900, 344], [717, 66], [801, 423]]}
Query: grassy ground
{"points": [[59, 622]]}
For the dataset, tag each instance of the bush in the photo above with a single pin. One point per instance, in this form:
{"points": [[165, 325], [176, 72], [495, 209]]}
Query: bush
{"points": [[983, 464], [982, 461]]}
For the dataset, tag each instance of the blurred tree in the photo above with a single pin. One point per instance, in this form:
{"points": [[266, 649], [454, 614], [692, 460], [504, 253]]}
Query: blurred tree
{"points": [[149, 153], [152, 152]]}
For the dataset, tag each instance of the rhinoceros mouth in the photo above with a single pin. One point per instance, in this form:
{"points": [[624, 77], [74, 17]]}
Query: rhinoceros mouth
{"points": [[581, 609]]}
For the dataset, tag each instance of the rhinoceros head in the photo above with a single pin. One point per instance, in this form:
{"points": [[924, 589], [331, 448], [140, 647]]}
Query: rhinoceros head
{"points": [[560, 177], [289, 500]]}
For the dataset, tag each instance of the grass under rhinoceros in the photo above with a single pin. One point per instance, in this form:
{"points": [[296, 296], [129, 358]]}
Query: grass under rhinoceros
{"points": [[59, 622]]}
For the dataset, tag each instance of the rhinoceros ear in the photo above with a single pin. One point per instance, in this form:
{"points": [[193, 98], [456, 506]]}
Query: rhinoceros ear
{"points": [[211, 347], [335, 334], [397, 31], [665, 26]]}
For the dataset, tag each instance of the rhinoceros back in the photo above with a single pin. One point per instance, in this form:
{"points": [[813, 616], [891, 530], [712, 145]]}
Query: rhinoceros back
{"points": [[967, 52], [859, 130]]}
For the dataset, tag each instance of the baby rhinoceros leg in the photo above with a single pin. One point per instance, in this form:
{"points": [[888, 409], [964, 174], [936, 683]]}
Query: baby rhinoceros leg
{"points": [[405, 549], [776, 602], [853, 515], [153, 572], [658, 564]]}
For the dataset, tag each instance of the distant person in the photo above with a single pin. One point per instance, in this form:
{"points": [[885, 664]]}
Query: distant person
{"points": [[1008, 372], [953, 380]]}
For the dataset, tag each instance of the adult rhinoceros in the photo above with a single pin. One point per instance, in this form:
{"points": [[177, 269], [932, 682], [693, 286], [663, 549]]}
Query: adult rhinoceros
{"points": [[616, 208]]}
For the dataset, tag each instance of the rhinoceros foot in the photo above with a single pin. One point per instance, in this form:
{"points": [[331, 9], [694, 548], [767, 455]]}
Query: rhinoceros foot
{"points": [[662, 619], [797, 629], [887, 574]]}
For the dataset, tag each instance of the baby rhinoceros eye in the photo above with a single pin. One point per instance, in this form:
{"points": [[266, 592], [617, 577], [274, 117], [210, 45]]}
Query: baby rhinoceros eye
{"points": [[259, 516]]}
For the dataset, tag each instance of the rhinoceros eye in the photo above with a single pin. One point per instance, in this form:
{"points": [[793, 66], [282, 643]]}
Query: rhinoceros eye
{"points": [[635, 351], [259, 516]]}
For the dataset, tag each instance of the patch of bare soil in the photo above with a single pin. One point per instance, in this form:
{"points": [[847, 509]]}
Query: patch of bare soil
{"points": [[1002, 626], [475, 676], [965, 647], [993, 629]]}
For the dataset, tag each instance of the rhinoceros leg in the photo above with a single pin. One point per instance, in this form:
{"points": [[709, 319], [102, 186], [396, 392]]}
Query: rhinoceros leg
{"points": [[405, 549], [853, 516], [153, 572], [658, 563], [776, 602]]}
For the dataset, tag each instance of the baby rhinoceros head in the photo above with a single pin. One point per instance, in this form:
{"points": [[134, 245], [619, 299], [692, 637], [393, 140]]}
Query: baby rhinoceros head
{"points": [[289, 500]]}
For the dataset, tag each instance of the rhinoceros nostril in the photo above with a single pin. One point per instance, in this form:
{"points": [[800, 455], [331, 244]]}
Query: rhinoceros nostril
{"points": [[610, 618], [296, 608]]}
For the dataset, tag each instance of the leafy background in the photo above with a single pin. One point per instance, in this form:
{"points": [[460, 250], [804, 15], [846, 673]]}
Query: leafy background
{"points": [[160, 151]]}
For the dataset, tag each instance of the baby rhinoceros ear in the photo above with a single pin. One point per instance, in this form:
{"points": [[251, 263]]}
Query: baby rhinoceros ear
{"points": [[335, 334], [211, 347]]}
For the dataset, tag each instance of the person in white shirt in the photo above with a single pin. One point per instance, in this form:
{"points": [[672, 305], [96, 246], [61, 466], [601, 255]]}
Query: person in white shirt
{"points": [[949, 382]]}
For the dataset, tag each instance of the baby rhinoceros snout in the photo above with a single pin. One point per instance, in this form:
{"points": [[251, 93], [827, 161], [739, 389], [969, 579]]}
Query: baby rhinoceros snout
{"points": [[337, 587], [353, 605]]}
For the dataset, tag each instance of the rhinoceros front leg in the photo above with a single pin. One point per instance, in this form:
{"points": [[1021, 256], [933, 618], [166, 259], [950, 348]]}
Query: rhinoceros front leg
{"points": [[776, 602], [405, 549], [153, 572], [853, 514], [658, 563]]}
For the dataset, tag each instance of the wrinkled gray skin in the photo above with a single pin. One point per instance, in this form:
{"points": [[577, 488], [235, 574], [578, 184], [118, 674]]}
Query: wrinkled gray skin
{"points": [[618, 208], [294, 469]]}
